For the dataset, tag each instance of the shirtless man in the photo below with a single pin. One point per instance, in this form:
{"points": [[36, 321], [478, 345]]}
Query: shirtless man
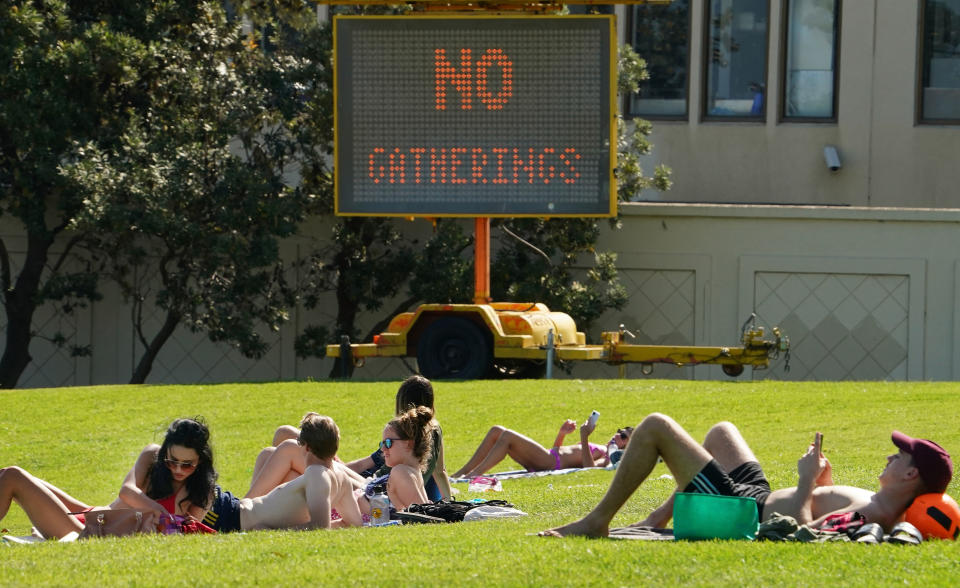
{"points": [[305, 502], [920, 466]]}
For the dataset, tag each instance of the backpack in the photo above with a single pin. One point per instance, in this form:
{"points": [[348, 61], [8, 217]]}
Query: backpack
{"points": [[451, 511]]}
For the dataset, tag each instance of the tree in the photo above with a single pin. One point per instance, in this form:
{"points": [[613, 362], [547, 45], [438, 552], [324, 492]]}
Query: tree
{"points": [[194, 191], [69, 76]]}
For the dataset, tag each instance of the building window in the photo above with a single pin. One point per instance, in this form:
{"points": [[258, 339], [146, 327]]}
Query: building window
{"points": [[811, 59], [940, 61], [660, 34], [736, 58]]}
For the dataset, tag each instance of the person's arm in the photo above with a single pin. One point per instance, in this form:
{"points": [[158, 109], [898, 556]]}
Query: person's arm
{"points": [[809, 468], [586, 455], [351, 477], [370, 463], [318, 498], [440, 476], [566, 428], [131, 491], [346, 504], [361, 465]]}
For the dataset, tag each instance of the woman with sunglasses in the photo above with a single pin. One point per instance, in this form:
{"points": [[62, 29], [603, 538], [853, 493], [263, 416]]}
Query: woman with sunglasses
{"points": [[501, 442], [176, 477], [406, 445]]}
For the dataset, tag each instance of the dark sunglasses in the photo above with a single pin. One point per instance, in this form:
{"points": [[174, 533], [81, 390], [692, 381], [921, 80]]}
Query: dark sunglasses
{"points": [[185, 466], [388, 443], [623, 434]]}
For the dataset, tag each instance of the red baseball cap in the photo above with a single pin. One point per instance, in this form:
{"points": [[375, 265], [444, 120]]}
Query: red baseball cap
{"points": [[933, 462]]}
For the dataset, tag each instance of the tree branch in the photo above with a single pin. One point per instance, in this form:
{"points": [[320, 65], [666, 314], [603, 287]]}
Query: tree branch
{"points": [[66, 251]]}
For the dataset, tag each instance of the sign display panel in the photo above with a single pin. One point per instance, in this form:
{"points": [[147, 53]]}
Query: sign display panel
{"points": [[475, 115]]}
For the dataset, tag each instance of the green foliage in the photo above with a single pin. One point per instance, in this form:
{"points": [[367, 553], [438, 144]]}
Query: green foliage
{"points": [[778, 419], [70, 76], [195, 190]]}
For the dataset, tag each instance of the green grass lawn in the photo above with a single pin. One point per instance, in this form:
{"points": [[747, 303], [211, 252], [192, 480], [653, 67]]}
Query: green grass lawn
{"points": [[86, 439]]}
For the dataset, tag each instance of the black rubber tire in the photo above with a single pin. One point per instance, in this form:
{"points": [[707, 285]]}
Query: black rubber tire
{"points": [[454, 348], [732, 369]]}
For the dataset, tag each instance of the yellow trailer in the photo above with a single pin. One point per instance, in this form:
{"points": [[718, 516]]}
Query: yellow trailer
{"points": [[504, 339]]}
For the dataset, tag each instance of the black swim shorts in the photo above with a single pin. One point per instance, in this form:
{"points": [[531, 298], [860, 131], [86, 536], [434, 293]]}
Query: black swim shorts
{"points": [[746, 480]]}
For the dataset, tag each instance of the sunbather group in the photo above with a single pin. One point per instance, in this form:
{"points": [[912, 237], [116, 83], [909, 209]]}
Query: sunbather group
{"points": [[299, 483]]}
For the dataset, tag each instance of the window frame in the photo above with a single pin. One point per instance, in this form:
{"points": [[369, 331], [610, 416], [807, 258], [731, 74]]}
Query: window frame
{"points": [[705, 73], [784, 40], [627, 110], [918, 117]]}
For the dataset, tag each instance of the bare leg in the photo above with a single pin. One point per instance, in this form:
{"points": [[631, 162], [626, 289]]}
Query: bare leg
{"points": [[481, 453], [657, 435], [725, 443], [72, 504], [285, 432], [522, 449], [274, 466], [34, 496]]}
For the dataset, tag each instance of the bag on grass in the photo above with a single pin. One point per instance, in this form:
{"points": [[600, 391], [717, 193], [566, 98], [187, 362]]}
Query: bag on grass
{"points": [[118, 522], [452, 511]]}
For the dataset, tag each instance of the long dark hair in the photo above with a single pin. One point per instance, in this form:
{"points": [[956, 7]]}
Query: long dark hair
{"points": [[414, 391], [193, 434]]}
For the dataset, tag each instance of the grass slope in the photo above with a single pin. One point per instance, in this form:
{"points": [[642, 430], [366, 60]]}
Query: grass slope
{"points": [[85, 439]]}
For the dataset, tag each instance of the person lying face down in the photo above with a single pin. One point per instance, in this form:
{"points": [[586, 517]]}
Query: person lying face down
{"points": [[501, 442], [305, 502], [176, 477], [282, 461], [726, 465]]}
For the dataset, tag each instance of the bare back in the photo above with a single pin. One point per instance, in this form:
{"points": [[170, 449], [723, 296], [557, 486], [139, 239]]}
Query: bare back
{"points": [[303, 502]]}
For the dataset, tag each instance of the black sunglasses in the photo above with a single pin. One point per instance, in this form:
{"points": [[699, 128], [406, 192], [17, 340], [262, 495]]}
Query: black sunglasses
{"points": [[388, 443]]}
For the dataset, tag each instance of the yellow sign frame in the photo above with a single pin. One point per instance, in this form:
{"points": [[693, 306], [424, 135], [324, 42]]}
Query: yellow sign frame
{"points": [[611, 123]]}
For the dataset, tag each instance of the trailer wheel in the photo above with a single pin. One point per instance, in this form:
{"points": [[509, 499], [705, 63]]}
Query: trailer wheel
{"points": [[732, 369], [453, 348]]}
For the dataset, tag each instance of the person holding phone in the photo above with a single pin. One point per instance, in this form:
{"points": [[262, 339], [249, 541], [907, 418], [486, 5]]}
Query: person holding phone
{"points": [[501, 442], [726, 465]]}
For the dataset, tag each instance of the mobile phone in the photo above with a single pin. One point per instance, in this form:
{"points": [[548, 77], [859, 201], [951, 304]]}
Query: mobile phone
{"points": [[818, 443], [592, 421]]}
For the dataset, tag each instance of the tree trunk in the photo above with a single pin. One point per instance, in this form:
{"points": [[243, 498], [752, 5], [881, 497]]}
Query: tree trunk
{"points": [[347, 309], [20, 304], [153, 349]]}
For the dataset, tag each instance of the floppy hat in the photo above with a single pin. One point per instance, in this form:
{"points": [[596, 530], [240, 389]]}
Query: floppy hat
{"points": [[932, 461]]}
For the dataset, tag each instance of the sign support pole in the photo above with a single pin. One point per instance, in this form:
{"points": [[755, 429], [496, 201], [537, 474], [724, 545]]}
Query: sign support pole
{"points": [[481, 260]]}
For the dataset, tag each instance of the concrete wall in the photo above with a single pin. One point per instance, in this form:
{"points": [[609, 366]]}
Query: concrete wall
{"points": [[863, 294]]}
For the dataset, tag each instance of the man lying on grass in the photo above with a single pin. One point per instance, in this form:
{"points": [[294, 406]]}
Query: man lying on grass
{"points": [[304, 502], [725, 465]]}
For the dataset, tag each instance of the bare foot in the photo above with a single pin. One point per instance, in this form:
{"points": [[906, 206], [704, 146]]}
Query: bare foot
{"points": [[581, 528]]}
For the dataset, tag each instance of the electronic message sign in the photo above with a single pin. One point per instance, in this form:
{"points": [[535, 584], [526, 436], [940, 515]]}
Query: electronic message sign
{"points": [[475, 115]]}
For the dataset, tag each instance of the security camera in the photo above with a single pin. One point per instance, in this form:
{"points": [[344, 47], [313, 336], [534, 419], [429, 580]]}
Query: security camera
{"points": [[832, 157]]}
